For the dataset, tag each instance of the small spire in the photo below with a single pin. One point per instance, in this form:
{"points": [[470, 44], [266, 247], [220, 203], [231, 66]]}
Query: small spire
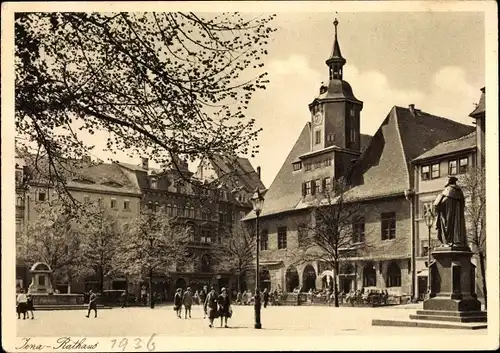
{"points": [[336, 61]]}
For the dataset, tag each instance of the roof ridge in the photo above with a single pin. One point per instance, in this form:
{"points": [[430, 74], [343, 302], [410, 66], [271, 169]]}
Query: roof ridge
{"points": [[433, 115]]}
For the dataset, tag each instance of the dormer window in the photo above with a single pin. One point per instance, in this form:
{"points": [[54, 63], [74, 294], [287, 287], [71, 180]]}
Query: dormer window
{"points": [[297, 166]]}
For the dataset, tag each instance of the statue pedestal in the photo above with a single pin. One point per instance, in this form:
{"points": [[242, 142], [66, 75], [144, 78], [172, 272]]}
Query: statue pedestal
{"points": [[453, 284]]}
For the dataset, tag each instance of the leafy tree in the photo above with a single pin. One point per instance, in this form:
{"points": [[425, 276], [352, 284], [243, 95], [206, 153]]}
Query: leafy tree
{"points": [[100, 243], [160, 84], [151, 242], [236, 253], [474, 187], [54, 237], [329, 237]]}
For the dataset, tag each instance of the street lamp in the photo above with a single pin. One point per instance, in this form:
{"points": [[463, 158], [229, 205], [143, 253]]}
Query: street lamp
{"points": [[429, 221], [257, 203]]}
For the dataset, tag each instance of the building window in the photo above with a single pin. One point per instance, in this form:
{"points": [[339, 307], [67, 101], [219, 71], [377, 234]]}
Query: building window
{"points": [[452, 167], [317, 164], [19, 201], [352, 135], [358, 230], [221, 217], [327, 162], [113, 203], [426, 172], [297, 166], [205, 263], [388, 226], [264, 240], [393, 275], [317, 137], [154, 183], [42, 196], [463, 165], [330, 137], [282, 238], [328, 182], [307, 167], [86, 198], [369, 275], [435, 171], [307, 188], [317, 186], [126, 204]]}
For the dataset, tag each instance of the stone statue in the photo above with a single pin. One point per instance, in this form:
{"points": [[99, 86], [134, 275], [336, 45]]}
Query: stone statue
{"points": [[449, 208]]}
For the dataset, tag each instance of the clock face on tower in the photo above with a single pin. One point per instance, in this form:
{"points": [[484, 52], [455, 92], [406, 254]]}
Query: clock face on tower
{"points": [[318, 117]]}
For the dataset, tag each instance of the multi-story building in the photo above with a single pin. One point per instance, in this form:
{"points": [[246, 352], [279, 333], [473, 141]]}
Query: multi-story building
{"points": [[105, 183], [124, 188], [431, 169], [379, 171]]}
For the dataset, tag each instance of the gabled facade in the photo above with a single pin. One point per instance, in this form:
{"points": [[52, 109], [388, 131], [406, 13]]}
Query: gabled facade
{"points": [[431, 170], [381, 177]]}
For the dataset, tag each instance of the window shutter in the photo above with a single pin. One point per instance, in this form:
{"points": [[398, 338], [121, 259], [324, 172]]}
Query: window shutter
{"points": [[313, 187], [303, 189]]}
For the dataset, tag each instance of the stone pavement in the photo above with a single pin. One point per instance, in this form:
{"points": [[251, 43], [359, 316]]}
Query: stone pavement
{"points": [[276, 321]]}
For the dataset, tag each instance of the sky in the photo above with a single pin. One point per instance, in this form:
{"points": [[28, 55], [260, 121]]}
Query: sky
{"points": [[435, 60]]}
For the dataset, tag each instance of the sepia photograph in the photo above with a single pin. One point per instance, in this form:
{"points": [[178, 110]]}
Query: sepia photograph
{"points": [[225, 175]]}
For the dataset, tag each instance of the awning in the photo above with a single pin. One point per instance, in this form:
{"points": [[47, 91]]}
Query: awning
{"points": [[423, 273]]}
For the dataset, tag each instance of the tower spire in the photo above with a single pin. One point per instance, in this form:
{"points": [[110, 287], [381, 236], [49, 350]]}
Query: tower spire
{"points": [[336, 62]]}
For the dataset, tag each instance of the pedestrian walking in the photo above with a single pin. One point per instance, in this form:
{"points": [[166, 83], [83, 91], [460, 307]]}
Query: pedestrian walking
{"points": [[210, 306], [224, 306], [178, 302], [187, 300], [266, 297], [29, 306], [144, 295], [124, 298], [21, 304], [196, 298], [92, 303], [203, 297]]}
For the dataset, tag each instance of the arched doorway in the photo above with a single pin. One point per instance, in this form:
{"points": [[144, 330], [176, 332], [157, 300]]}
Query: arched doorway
{"points": [[327, 279], [346, 278], [292, 278], [393, 275], [265, 280], [309, 278], [369, 275]]}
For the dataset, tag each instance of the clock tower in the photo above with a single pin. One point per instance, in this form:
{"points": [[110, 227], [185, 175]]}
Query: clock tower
{"points": [[335, 112]]}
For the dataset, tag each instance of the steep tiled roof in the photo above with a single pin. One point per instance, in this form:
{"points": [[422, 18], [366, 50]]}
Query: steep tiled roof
{"points": [[240, 169], [481, 106], [462, 143], [82, 174], [400, 138]]}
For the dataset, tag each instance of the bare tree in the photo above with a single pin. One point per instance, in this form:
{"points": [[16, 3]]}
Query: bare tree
{"points": [[100, 243], [236, 253], [152, 242], [159, 84], [54, 237], [474, 187], [331, 235]]}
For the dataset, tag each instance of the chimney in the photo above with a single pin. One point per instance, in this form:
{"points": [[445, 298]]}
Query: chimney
{"points": [[412, 109], [258, 171], [145, 163]]}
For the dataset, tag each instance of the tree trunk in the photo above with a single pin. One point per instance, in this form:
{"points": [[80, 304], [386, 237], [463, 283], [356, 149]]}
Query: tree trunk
{"points": [[151, 302], [335, 285], [483, 277], [101, 280], [239, 282]]}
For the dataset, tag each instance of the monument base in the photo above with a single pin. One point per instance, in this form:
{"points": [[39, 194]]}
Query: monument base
{"points": [[41, 299], [447, 304]]}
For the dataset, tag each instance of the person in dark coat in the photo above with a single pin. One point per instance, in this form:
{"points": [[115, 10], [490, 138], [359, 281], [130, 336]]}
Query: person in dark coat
{"points": [[266, 297], [29, 306], [92, 303], [203, 296], [224, 304], [124, 298], [210, 306], [178, 302]]}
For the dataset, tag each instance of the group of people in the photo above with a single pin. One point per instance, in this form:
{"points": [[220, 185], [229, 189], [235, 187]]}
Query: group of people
{"points": [[246, 298], [214, 305], [24, 304]]}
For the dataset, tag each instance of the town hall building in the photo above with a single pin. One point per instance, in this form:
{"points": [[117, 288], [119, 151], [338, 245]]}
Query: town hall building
{"points": [[381, 180]]}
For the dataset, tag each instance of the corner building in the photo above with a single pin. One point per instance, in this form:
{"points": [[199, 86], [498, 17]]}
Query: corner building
{"points": [[379, 171]]}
